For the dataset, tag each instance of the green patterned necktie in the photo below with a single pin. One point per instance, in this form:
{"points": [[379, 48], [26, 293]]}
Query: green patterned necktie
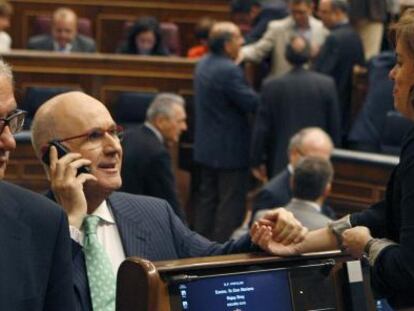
{"points": [[100, 275]]}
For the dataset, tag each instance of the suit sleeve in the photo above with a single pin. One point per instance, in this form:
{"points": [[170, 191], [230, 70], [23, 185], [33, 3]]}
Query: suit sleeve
{"points": [[161, 184], [393, 270], [262, 128], [257, 51], [328, 57], [60, 294], [238, 91], [190, 244], [334, 120]]}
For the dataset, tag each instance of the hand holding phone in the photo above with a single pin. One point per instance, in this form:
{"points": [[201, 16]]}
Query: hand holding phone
{"points": [[61, 151]]}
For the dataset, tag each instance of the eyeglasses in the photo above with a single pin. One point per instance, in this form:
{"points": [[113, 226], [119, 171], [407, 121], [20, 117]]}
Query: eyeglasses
{"points": [[15, 121], [94, 137]]}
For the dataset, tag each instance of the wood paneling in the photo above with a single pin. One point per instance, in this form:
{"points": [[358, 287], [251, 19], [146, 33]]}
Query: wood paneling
{"points": [[108, 16]]}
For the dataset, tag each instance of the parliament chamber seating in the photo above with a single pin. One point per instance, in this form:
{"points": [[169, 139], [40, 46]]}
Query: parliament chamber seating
{"points": [[360, 178], [42, 25], [34, 97], [108, 17], [131, 108]]}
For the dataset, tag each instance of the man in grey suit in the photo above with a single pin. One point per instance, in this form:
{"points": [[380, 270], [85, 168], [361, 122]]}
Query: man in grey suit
{"points": [[124, 224], [311, 184], [64, 35]]}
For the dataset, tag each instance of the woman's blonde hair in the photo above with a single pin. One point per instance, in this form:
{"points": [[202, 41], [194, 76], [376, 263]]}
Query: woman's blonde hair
{"points": [[403, 31]]}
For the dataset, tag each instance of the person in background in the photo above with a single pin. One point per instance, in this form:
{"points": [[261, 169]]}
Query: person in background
{"points": [[311, 185], [64, 35], [6, 11], [259, 14], [223, 104], [147, 166], [339, 54], [202, 30], [144, 38]]}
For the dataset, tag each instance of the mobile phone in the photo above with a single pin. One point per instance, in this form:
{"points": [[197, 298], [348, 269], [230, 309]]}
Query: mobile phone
{"points": [[61, 151]]}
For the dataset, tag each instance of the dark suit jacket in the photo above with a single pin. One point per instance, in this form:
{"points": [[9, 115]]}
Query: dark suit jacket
{"points": [[147, 168], [150, 229], [341, 51], [45, 42], [223, 100], [392, 275], [299, 99], [277, 193], [374, 10], [35, 269]]}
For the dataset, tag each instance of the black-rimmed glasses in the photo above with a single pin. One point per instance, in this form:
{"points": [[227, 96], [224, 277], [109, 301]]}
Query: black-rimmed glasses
{"points": [[14, 121]]}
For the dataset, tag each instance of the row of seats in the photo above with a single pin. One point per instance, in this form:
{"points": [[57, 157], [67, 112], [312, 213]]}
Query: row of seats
{"points": [[169, 31], [130, 107]]}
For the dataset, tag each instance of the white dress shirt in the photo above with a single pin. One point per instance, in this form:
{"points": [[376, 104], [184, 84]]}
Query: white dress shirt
{"points": [[108, 235]]}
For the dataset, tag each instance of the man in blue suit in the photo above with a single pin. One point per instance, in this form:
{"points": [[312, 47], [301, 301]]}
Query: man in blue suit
{"points": [[129, 225], [223, 101], [35, 263]]}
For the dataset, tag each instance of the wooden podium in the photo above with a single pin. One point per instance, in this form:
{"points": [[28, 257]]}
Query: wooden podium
{"points": [[319, 281]]}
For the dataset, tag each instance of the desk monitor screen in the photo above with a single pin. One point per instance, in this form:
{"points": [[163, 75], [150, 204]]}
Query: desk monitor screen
{"points": [[264, 291]]}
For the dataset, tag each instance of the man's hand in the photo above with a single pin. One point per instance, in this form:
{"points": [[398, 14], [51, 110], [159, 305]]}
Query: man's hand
{"points": [[286, 228], [278, 232], [67, 187], [261, 235], [355, 240]]}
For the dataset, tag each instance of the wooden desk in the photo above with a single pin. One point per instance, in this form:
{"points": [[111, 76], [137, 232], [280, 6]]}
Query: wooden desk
{"points": [[103, 76], [108, 16], [143, 285], [360, 179]]}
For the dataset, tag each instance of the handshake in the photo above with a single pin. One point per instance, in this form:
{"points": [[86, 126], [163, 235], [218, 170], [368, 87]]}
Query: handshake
{"points": [[278, 232]]}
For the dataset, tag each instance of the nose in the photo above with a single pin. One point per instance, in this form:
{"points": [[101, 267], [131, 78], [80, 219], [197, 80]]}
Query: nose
{"points": [[392, 73], [112, 144], [7, 141]]}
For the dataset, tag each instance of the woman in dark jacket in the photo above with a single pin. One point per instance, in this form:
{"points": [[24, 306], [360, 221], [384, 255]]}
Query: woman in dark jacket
{"points": [[144, 38]]}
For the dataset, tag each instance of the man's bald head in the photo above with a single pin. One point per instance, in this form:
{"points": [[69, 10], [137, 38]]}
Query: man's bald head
{"points": [[64, 26], [225, 39], [310, 141], [61, 116]]}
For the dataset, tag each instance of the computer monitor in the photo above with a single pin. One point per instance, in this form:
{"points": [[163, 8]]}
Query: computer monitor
{"points": [[249, 291]]}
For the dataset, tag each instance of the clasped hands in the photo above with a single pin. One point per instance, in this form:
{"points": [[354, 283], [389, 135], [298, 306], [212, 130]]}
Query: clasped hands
{"points": [[278, 232]]}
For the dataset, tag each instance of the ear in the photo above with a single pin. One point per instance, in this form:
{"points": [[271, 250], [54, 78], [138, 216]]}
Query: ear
{"points": [[327, 190]]}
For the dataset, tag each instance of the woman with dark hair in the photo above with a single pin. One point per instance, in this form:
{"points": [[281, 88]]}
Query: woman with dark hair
{"points": [[144, 38], [384, 233]]}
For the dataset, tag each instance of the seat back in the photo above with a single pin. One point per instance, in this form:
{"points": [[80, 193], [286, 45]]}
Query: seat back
{"points": [[131, 107], [34, 97], [395, 128], [43, 24]]}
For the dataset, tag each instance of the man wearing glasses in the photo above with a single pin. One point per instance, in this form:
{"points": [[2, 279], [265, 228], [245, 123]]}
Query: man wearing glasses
{"points": [[35, 265], [108, 226]]}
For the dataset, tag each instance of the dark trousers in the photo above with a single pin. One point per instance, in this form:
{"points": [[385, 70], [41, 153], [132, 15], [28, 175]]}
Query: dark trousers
{"points": [[221, 205]]}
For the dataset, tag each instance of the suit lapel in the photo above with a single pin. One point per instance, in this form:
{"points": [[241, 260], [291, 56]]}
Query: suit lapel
{"points": [[135, 239]]}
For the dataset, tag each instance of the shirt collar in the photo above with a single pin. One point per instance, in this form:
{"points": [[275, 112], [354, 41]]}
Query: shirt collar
{"points": [[309, 203], [104, 213], [67, 49], [155, 131]]}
